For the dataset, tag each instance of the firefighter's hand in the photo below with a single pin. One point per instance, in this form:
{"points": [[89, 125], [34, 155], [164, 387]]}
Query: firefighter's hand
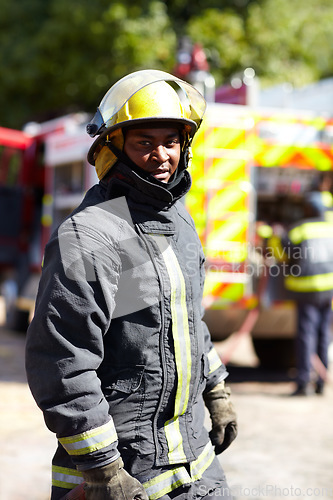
{"points": [[223, 417], [112, 482]]}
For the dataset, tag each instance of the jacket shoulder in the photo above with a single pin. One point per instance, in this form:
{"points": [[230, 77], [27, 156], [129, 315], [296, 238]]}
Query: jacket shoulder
{"points": [[184, 214], [97, 216]]}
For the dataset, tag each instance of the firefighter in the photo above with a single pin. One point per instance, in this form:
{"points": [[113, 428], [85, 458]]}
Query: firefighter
{"points": [[118, 357], [309, 248]]}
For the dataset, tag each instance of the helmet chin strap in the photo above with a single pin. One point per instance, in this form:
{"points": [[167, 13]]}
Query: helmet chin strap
{"points": [[176, 177], [125, 159]]}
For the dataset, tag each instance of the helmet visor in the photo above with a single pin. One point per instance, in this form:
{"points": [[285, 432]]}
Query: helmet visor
{"points": [[125, 88]]}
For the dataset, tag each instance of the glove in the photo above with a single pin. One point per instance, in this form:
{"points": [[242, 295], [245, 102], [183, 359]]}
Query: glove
{"points": [[112, 482], [223, 417]]}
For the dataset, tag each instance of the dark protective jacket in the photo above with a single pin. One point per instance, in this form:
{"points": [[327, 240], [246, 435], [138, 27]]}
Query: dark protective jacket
{"points": [[309, 249], [117, 353]]}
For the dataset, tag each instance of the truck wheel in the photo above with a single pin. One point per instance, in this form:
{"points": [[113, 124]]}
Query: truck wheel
{"points": [[275, 353]]}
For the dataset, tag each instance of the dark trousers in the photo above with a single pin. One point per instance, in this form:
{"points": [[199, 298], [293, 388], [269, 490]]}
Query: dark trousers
{"points": [[313, 337]]}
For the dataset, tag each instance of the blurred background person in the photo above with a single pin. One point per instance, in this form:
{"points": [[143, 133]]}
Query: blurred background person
{"points": [[309, 249]]}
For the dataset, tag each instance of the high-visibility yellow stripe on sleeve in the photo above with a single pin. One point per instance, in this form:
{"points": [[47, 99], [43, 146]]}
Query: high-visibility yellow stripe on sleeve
{"points": [[310, 230], [64, 477], [87, 442], [214, 360], [308, 284]]}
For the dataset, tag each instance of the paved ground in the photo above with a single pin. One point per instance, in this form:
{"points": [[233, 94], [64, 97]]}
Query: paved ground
{"points": [[285, 445], [284, 448], [26, 445]]}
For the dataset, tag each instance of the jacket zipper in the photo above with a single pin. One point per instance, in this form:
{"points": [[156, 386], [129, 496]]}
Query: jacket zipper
{"points": [[150, 251]]}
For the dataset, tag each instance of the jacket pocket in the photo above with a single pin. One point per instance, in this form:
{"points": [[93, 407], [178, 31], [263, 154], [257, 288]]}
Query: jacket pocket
{"points": [[202, 379], [129, 380], [204, 369], [126, 395]]}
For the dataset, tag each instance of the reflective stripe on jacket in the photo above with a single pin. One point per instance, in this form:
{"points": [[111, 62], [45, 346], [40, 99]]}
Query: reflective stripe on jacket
{"points": [[310, 255]]}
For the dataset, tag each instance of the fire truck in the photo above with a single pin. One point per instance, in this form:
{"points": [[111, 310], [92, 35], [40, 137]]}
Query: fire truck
{"points": [[43, 176], [250, 170], [21, 190]]}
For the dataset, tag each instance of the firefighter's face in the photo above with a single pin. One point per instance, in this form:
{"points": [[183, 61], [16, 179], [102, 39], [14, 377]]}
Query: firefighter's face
{"points": [[155, 150]]}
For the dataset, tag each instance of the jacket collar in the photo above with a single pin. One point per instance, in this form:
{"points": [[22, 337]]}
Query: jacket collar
{"points": [[125, 181]]}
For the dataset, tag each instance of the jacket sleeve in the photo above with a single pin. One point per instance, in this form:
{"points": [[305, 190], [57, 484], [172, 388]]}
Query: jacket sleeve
{"points": [[216, 371], [65, 343]]}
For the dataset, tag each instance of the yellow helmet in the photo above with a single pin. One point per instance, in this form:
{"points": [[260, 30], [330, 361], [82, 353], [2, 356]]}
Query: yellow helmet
{"points": [[143, 96]]}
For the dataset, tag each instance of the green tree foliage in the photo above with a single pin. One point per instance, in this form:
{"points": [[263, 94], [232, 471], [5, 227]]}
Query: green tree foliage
{"points": [[290, 41], [63, 55], [222, 34], [281, 39], [59, 56], [181, 11]]}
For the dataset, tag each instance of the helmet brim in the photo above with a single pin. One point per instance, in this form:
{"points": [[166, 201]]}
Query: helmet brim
{"points": [[139, 122]]}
